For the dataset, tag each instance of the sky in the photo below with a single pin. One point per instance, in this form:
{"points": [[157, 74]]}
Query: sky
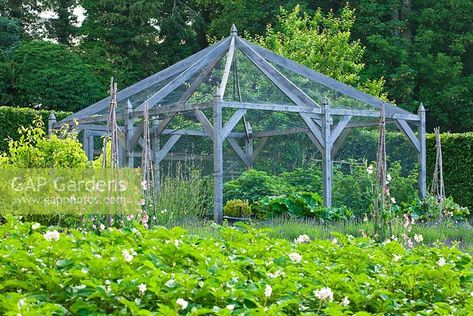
{"points": [[78, 11]]}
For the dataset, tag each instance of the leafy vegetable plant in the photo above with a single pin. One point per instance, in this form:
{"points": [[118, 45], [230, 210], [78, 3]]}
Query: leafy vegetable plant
{"points": [[238, 271]]}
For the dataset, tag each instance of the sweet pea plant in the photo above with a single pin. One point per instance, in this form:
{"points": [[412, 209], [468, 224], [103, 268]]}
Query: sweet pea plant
{"points": [[240, 271]]}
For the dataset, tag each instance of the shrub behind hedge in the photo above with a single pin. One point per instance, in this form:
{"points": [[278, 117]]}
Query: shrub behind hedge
{"points": [[12, 118]]}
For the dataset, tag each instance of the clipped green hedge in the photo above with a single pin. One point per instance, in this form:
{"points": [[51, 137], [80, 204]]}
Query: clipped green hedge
{"points": [[457, 150], [12, 118]]}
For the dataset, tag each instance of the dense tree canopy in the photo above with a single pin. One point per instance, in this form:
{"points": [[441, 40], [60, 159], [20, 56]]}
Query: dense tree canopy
{"points": [[322, 43], [49, 76], [63, 26], [137, 37], [423, 50], [251, 16], [10, 36], [25, 12]]}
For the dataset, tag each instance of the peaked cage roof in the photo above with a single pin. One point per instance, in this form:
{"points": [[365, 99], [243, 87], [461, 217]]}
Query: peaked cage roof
{"points": [[240, 71]]}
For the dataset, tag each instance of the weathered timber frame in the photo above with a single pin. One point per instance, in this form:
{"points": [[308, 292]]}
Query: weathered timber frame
{"points": [[327, 137]]}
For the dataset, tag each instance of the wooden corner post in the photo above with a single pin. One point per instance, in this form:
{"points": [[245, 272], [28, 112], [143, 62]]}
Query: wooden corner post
{"points": [[129, 159], [327, 155], [218, 159], [51, 122], [88, 144], [422, 152]]}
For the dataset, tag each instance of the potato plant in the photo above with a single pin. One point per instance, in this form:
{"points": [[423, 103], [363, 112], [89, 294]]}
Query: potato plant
{"points": [[239, 271]]}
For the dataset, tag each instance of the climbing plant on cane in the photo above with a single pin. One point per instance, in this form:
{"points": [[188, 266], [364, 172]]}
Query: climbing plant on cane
{"points": [[381, 210]]}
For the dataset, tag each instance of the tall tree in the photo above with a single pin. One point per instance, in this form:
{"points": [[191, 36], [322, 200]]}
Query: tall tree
{"points": [[424, 50], [250, 16], [26, 12], [10, 38], [443, 57], [10, 35], [50, 76], [136, 37], [62, 26], [379, 26], [321, 42]]}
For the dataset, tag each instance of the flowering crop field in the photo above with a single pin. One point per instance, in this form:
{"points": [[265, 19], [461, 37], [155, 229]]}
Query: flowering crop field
{"points": [[241, 270]]}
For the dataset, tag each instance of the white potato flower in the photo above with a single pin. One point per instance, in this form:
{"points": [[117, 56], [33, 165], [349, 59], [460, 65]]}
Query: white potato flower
{"points": [[128, 255], [324, 294], [419, 238], [268, 290], [441, 262], [142, 288], [302, 239], [295, 257], [51, 235], [182, 302]]}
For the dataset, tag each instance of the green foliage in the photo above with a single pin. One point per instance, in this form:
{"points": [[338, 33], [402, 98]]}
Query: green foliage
{"points": [[98, 162], [133, 39], [321, 42], [250, 17], [62, 27], [184, 196], [237, 208], [402, 188], [353, 189], [252, 185], [361, 144], [10, 35], [10, 38], [457, 150], [35, 150], [139, 271], [11, 119], [424, 51], [26, 13], [448, 232], [300, 204], [307, 179], [427, 210], [50, 76], [412, 51]]}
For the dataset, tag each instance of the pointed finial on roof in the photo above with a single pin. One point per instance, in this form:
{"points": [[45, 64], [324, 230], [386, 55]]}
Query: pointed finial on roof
{"points": [[233, 30], [421, 108]]}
